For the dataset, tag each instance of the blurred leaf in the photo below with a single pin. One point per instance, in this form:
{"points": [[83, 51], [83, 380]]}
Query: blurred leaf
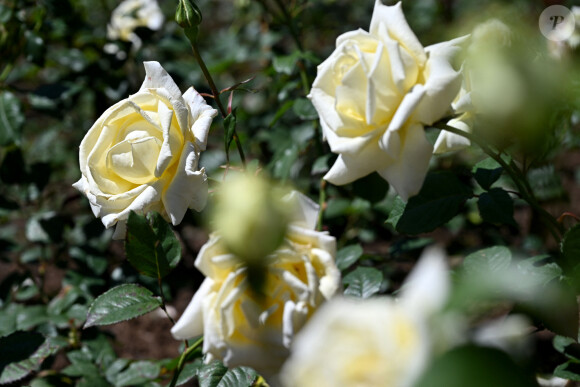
{"points": [[489, 260], [320, 165], [396, 211], [144, 249], [496, 207], [11, 118], [31, 316], [283, 164], [569, 370], [543, 274], [93, 381], [45, 227], [285, 63], [567, 346], [35, 48], [121, 303], [81, 368], [475, 367], [363, 282], [304, 109], [138, 373], [486, 172], [215, 374], [114, 368], [439, 200], [5, 13], [21, 354], [348, 255], [545, 183]]}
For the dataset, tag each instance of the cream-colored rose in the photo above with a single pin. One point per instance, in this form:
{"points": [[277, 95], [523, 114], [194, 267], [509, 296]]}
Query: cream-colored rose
{"points": [[374, 342], [241, 327], [131, 14], [375, 93], [142, 153]]}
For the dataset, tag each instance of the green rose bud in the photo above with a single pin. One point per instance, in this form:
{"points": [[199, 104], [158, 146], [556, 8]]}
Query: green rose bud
{"points": [[251, 218], [188, 16]]}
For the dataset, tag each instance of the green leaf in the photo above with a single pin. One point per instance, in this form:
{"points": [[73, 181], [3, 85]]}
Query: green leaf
{"points": [[285, 63], [121, 303], [11, 118], [215, 374], [546, 183], [21, 354], [486, 172], [81, 368], [569, 370], [475, 367], [363, 282], [542, 274], [93, 381], [230, 129], [570, 246], [567, 346], [138, 373], [189, 371], [144, 249], [320, 164], [304, 109], [168, 241], [282, 166], [348, 255], [489, 260], [496, 207], [396, 211], [439, 200]]}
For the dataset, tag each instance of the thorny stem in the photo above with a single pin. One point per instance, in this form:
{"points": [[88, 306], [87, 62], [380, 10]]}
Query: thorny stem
{"points": [[184, 355], [518, 178], [216, 96]]}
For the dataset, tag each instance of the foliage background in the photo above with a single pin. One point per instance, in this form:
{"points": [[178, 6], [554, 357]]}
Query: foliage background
{"points": [[56, 78]]}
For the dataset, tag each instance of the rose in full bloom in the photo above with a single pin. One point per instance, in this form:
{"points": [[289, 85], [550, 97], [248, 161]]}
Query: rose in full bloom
{"points": [[131, 14], [374, 342], [142, 153], [374, 95], [242, 327]]}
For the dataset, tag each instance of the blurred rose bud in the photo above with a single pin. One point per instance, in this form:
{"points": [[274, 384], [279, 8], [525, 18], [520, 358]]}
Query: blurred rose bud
{"points": [[249, 208]]}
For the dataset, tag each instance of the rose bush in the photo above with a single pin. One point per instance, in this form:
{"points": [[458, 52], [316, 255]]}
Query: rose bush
{"points": [[241, 327], [374, 342], [142, 153], [375, 93], [131, 14]]}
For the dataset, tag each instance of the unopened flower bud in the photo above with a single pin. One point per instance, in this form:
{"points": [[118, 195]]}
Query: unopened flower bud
{"points": [[251, 218], [188, 16]]}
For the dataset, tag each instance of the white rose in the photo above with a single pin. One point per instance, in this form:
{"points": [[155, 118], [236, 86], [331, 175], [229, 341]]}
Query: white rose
{"points": [[131, 14], [375, 93], [243, 328], [374, 342], [142, 153]]}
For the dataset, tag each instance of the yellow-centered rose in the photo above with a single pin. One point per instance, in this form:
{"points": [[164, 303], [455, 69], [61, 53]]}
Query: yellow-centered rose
{"points": [[142, 153], [374, 342], [375, 93], [242, 327]]}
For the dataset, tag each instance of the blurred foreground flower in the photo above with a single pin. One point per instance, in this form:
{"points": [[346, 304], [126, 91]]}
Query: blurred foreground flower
{"points": [[142, 153], [374, 342], [490, 85], [244, 327], [131, 14], [374, 95]]}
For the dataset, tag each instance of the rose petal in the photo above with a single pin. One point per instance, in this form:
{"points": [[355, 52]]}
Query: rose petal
{"points": [[188, 187], [407, 173], [201, 114], [190, 324]]}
